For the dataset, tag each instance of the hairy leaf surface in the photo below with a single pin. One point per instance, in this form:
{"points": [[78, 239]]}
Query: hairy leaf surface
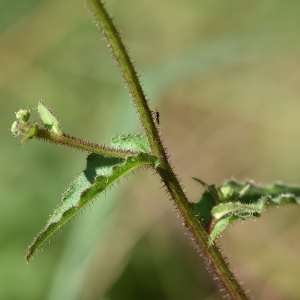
{"points": [[100, 173]]}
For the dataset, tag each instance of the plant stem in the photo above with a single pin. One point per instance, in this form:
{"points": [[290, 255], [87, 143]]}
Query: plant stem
{"points": [[213, 258], [215, 262], [79, 144], [104, 22]]}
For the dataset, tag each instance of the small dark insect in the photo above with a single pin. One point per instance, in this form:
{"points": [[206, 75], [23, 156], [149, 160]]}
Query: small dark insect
{"points": [[156, 116]]}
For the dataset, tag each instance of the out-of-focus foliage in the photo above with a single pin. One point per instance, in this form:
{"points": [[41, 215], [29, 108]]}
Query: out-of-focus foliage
{"points": [[224, 76]]}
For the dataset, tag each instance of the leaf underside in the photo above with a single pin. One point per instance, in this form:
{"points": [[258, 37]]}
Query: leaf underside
{"points": [[233, 201], [100, 173]]}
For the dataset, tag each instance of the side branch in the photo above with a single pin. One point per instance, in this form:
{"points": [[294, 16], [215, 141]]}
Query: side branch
{"points": [[27, 131], [80, 144]]}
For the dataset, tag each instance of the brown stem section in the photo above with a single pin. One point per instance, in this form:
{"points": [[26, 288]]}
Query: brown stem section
{"points": [[79, 144]]}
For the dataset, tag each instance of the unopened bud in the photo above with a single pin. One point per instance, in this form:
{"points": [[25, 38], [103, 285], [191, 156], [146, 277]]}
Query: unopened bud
{"points": [[23, 115], [15, 130]]}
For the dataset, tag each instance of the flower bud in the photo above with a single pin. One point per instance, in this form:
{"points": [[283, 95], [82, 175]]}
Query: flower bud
{"points": [[23, 115]]}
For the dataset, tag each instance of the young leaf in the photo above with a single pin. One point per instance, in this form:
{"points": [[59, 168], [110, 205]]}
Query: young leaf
{"points": [[30, 133], [240, 201], [48, 119], [219, 227], [203, 208], [100, 173], [238, 209]]}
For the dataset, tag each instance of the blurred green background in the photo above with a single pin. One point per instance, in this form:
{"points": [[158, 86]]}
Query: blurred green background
{"points": [[224, 76]]}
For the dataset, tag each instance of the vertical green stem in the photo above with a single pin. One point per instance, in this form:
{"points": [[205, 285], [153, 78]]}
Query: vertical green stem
{"points": [[104, 22], [215, 262]]}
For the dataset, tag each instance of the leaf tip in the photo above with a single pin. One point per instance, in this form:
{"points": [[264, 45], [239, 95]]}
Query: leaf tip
{"points": [[48, 119], [203, 183], [29, 253]]}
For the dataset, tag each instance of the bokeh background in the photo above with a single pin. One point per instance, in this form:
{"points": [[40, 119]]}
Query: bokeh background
{"points": [[224, 76]]}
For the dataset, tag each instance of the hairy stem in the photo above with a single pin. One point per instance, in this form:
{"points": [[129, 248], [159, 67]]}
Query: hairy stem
{"points": [[79, 144], [104, 22], [215, 262], [213, 258]]}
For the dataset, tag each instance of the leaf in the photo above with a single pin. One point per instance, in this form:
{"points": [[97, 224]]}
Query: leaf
{"points": [[238, 209], [48, 119], [234, 201], [29, 133], [203, 208], [133, 142], [219, 227], [100, 173], [23, 115]]}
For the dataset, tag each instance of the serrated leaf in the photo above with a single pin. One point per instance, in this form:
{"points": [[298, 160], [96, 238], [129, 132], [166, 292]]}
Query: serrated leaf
{"points": [[238, 209], [132, 142], [48, 119], [249, 192], [100, 173], [240, 201]]}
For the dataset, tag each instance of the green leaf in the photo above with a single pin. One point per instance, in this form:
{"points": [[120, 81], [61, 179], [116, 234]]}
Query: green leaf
{"points": [[48, 119], [238, 209], [100, 173], [132, 142], [233, 201], [203, 208], [219, 227]]}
